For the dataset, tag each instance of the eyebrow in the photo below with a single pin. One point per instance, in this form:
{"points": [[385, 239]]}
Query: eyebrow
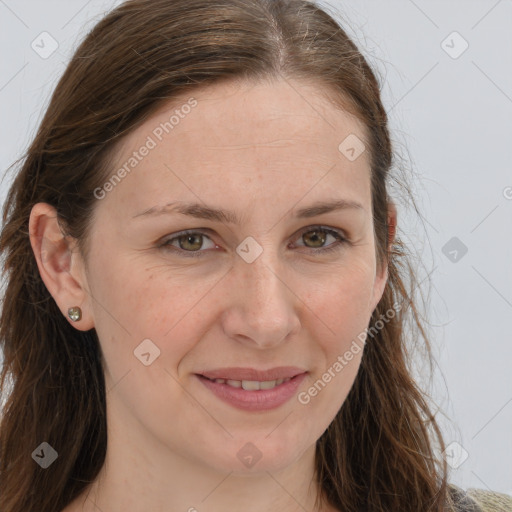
{"points": [[201, 211]]}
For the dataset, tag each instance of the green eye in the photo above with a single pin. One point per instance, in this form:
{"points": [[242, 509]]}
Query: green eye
{"points": [[189, 243]]}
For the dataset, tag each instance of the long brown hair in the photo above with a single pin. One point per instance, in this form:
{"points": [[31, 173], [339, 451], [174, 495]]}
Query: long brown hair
{"points": [[379, 453]]}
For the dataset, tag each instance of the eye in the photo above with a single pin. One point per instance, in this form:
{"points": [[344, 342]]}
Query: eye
{"points": [[318, 235], [190, 243]]}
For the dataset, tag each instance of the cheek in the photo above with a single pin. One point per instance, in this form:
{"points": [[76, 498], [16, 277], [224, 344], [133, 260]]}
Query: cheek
{"points": [[338, 316], [342, 302], [132, 297]]}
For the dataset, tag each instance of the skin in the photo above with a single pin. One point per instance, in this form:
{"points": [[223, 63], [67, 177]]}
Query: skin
{"points": [[263, 150]]}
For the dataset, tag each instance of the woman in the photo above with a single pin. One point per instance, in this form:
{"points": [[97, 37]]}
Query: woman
{"points": [[203, 270]]}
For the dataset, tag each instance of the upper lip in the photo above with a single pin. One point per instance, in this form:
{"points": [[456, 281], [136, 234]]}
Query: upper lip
{"points": [[281, 372]]}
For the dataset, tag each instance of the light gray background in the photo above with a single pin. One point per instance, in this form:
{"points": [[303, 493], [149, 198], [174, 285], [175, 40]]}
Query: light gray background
{"points": [[452, 124]]}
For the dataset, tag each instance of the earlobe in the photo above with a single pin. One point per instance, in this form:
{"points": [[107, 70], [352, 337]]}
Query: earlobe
{"points": [[57, 259]]}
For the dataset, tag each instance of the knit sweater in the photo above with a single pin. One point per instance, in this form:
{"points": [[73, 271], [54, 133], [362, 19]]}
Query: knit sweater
{"points": [[479, 500]]}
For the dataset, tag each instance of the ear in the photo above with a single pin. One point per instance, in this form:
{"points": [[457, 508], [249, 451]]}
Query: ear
{"points": [[382, 270], [60, 264]]}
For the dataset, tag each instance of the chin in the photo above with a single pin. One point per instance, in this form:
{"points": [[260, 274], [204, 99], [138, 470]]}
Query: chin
{"points": [[248, 457]]}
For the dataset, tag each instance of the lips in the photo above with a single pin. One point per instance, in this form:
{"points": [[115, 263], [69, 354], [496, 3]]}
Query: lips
{"points": [[253, 375], [253, 395]]}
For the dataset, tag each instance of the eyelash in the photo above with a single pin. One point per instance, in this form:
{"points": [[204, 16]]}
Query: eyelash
{"points": [[341, 240]]}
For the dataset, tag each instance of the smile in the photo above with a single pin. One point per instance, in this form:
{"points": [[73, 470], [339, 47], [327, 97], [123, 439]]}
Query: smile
{"points": [[251, 385], [253, 395]]}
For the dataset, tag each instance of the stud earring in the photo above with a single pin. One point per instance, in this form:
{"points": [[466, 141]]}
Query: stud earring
{"points": [[75, 313]]}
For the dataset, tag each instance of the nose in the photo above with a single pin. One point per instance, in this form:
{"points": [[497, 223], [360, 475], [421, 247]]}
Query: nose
{"points": [[261, 307]]}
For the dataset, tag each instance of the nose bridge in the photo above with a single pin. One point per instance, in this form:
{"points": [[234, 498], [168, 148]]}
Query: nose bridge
{"points": [[263, 308], [262, 280]]}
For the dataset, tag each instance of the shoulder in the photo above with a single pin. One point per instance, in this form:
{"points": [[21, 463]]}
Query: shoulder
{"points": [[491, 501], [480, 500]]}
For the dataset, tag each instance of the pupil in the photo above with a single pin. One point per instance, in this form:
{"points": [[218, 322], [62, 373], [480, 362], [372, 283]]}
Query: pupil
{"points": [[318, 238], [190, 238]]}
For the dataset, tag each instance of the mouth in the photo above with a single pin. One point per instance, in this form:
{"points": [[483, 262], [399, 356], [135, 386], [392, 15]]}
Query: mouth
{"points": [[251, 385], [253, 390]]}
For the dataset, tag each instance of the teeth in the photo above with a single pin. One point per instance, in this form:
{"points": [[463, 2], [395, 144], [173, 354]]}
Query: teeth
{"points": [[269, 384], [252, 385]]}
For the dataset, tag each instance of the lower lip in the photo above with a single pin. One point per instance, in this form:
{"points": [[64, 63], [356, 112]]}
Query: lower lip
{"points": [[258, 400]]}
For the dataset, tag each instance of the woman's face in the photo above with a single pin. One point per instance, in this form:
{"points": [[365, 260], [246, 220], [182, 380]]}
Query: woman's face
{"points": [[252, 288]]}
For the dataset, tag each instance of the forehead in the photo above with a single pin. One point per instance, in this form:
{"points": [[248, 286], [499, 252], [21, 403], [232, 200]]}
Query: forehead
{"points": [[281, 136]]}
